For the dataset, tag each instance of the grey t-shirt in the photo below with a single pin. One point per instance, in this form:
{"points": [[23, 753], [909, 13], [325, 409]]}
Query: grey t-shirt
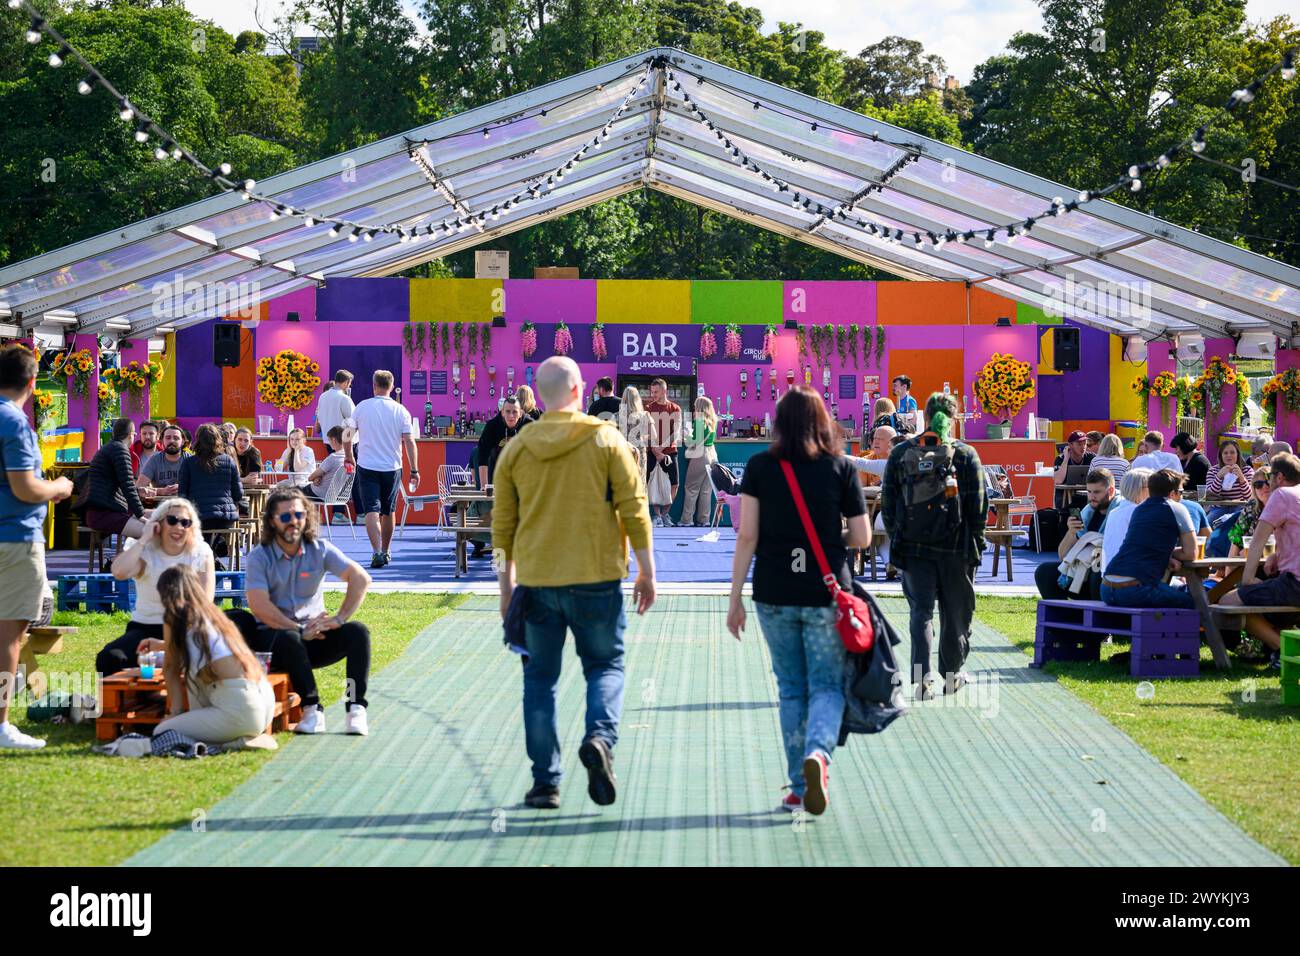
{"points": [[332, 463], [162, 472]]}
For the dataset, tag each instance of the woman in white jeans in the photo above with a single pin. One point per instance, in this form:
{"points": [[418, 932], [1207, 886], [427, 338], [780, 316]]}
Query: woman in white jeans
{"points": [[700, 454], [229, 695]]}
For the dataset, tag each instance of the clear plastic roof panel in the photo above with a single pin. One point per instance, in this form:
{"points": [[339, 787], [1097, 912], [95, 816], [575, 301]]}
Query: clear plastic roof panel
{"points": [[827, 154]]}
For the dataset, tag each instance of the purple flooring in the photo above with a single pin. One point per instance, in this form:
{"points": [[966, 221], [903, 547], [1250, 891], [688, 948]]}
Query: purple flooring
{"points": [[421, 558]]}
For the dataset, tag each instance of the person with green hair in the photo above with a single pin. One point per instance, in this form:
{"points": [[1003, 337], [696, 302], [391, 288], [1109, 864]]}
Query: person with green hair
{"points": [[934, 507]]}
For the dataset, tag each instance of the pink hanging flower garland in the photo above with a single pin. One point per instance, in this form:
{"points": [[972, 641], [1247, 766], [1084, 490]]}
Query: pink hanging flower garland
{"points": [[708, 343], [769, 342], [528, 339], [598, 347], [732, 341], [563, 339]]}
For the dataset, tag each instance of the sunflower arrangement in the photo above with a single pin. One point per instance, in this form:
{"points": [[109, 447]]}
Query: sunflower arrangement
{"points": [[75, 368], [106, 400], [288, 380], [1286, 386], [1207, 390], [1004, 385], [133, 377], [42, 405]]}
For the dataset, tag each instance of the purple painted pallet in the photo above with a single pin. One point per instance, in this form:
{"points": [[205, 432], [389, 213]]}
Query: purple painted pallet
{"points": [[1099, 618], [1053, 644], [1169, 655]]}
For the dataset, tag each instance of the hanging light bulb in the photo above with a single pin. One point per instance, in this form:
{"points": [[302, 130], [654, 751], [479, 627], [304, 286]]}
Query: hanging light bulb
{"points": [[1135, 185], [85, 84], [125, 113], [34, 31], [159, 153], [225, 169], [334, 231], [1288, 65], [309, 221], [141, 132], [58, 58], [1198, 141], [177, 153], [1084, 195]]}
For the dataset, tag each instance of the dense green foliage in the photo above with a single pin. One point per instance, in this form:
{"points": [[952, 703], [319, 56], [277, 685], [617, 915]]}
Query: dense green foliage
{"points": [[1057, 103]]}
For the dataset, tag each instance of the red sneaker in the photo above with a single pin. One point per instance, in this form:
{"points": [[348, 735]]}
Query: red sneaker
{"points": [[792, 802], [817, 780]]}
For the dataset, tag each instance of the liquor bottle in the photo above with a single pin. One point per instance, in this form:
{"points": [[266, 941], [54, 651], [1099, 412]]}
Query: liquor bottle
{"points": [[428, 418]]}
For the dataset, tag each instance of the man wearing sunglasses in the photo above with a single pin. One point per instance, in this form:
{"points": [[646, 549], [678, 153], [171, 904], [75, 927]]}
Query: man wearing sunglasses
{"points": [[287, 606]]}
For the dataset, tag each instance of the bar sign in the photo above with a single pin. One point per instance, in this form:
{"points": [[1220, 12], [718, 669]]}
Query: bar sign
{"points": [[437, 383], [848, 386], [420, 383]]}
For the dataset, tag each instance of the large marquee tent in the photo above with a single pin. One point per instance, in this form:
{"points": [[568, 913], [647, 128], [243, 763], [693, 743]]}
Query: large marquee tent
{"points": [[674, 122]]}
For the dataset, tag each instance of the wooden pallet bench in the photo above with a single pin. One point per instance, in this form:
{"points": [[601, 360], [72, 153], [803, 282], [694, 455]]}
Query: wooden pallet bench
{"points": [[131, 703], [39, 642], [1166, 642]]}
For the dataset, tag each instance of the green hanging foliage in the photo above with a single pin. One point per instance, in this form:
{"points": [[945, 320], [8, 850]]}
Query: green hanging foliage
{"points": [[486, 338], [880, 343], [446, 342], [473, 340], [853, 343], [433, 344]]}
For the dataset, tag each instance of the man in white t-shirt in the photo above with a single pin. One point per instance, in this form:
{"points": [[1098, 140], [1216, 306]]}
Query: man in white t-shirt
{"points": [[1153, 457], [384, 428], [335, 407]]}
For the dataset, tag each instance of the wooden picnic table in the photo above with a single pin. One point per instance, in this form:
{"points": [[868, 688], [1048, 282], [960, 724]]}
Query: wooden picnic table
{"points": [[459, 498], [1195, 573]]}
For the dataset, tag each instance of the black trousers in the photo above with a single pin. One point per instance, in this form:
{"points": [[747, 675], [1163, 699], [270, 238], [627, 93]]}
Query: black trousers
{"points": [[951, 582], [290, 653], [120, 654], [1047, 578]]}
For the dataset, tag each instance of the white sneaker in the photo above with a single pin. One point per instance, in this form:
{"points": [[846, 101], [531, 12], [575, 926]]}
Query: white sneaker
{"points": [[313, 721], [658, 522], [11, 738], [357, 722]]}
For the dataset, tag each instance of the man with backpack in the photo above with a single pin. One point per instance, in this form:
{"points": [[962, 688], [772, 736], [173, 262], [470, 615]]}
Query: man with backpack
{"points": [[934, 507]]}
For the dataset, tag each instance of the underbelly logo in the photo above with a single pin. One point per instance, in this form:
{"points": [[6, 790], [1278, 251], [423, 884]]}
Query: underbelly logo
{"points": [[77, 909]]}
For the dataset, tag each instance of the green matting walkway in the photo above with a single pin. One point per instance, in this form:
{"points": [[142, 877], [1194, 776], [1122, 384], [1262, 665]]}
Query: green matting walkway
{"points": [[1022, 775]]}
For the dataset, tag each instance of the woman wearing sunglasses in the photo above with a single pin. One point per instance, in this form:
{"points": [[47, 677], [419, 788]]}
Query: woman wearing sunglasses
{"points": [[171, 537]]}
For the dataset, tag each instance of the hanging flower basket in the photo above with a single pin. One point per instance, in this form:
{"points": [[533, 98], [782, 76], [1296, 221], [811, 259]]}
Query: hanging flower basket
{"points": [[599, 349], [42, 406], [563, 344], [708, 343], [528, 339], [1284, 385], [731, 342], [76, 368], [134, 377], [769, 342], [1207, 390], [1004, 385], [106, 407], [288, 380]]}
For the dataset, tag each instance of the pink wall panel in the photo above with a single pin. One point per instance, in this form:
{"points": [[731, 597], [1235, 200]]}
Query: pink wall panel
{"points": [[829, 301], [981, 343], [550, 300]]}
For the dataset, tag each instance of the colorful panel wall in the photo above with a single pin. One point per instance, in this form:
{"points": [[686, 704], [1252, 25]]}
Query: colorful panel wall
{"points": [[933, 332]]}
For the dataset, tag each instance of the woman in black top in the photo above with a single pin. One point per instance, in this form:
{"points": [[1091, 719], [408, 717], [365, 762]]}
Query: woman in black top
{"points": [[113, 504], [246, 453], [795, 609], [210, 479]]}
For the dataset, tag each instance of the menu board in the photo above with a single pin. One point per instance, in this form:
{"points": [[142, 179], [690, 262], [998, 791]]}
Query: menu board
{"points": [[437, 383], [420, 383], [848, 386]]}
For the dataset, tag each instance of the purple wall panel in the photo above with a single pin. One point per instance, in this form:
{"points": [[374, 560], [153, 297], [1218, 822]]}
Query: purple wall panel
{"points": [[364, 300], [198, 381]]}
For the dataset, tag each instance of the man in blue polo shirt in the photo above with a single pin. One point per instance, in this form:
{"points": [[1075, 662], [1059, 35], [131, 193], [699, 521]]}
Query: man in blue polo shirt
{"points": [[1161, 531], [287, 607], [23, 499]]}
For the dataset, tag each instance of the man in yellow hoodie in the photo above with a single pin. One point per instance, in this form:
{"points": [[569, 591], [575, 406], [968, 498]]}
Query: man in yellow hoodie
{"points": [[569, 497]]}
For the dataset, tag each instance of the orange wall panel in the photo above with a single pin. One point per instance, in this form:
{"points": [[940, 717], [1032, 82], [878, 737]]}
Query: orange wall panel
{"points": [[239, 385], [928, 369], [921, 303], [987, 307]]}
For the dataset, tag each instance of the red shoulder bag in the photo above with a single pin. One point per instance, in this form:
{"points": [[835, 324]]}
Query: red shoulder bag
{"points": [[852, 616]]}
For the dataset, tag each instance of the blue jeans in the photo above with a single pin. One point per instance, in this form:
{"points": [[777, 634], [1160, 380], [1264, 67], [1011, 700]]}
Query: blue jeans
{"points": [[594, 612], [808, 660], [1147, 595]]}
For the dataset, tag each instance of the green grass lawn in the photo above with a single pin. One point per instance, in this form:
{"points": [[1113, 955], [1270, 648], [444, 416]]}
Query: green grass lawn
{"points": [[68, 806], [1224, 733]]}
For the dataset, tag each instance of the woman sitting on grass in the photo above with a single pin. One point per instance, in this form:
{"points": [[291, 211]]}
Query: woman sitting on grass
{"points": [[229, 695]]}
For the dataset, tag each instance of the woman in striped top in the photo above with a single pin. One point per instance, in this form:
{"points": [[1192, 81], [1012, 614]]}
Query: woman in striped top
{"points": [[1228, 481], [1110, 455]]}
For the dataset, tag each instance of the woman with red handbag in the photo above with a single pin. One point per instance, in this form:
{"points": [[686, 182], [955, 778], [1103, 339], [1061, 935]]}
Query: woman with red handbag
{"points": [[802, 582]]}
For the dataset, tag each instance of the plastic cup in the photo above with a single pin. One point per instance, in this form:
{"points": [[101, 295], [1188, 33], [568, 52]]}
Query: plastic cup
{"points": [[1202, 490], [264, 658], [1246, 540], [146, 666]]}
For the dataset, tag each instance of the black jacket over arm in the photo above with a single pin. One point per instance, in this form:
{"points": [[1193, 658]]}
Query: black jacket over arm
{"points": [[112, 484]]}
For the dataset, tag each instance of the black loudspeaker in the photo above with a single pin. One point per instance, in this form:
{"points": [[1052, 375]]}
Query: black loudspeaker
{"points": [[225, 344], [1065, 350]]}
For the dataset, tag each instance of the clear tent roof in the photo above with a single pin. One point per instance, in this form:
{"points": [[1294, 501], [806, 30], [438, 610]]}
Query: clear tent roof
{"points": [[662, 110]]}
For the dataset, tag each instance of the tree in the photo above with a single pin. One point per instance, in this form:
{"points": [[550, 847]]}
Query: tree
{"points": [[889, 73], [69, 168]]}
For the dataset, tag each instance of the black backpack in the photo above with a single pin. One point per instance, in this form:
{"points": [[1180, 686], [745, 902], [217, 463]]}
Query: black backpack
{"points": [[926, 513]]}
